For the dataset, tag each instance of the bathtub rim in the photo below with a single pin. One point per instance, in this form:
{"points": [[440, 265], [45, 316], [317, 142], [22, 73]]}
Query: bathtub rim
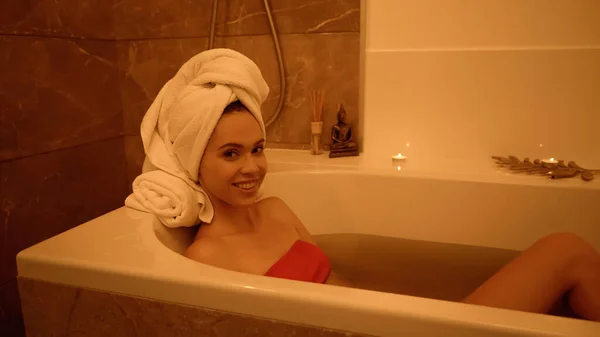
{"points": [[285, 160], [310, 304]]}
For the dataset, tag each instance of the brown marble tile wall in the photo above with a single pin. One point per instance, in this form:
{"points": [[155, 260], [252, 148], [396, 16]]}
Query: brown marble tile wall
{"points": [[134, 152], [151, 19], [64, 18], [58, 310], [62, 160], [56, 93], [248, 17], [4, 254], [11, 319], [46, 194]]}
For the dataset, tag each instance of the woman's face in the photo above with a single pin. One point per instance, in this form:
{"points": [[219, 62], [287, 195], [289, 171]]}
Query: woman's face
{"points": [[233, 165]]}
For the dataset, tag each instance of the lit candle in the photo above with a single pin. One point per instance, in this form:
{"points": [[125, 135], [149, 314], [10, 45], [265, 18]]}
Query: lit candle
{"points": [[550, 161], [399, 161], [399, 156]]}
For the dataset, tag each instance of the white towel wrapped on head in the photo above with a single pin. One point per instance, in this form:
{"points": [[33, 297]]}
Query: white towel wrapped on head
{"points": [[180, 121]]}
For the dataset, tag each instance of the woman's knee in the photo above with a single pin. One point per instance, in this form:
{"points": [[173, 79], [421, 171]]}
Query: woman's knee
{"points": [[576, 256], [566, 243]]}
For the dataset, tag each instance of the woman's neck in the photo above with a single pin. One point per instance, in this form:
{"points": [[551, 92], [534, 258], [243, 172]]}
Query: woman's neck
{"points": [[228, 220]]}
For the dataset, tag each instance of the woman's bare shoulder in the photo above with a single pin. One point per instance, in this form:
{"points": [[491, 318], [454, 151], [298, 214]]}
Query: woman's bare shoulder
{"points": [[205, 250], [278, 209], [275, 204]]}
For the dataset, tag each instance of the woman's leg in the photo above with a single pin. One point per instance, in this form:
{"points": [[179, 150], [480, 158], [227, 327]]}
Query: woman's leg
{"points": [[534, 281]]}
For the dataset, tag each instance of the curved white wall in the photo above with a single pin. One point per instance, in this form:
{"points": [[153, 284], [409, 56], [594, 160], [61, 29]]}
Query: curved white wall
{"points": [[461, 80]]}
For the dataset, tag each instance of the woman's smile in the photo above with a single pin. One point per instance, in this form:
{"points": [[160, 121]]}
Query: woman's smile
{"points": [[247, 186]]}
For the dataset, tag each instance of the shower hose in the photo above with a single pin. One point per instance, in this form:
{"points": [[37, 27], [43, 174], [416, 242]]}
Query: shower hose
{"points": [[282, 83]]}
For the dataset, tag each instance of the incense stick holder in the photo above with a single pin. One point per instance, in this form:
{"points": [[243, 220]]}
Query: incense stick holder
{"points": [[316, 130]]}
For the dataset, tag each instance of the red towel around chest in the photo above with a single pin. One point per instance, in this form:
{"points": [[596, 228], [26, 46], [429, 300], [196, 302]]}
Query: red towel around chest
{"points": [[302, 262]]}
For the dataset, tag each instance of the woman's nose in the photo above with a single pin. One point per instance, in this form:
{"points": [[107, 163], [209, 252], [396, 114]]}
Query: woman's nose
{"points": [[249, 165]]}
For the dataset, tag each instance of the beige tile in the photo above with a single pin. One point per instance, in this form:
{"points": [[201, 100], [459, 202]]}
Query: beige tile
{"points": [[47, 194], [56, 310], [73, 18], [147, 19], [248, 17], [474, 104], [475, 23], [56, 93]]}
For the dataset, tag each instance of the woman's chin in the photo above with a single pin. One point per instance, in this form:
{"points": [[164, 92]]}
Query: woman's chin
{"points": [[244, 201], [245, 197]]}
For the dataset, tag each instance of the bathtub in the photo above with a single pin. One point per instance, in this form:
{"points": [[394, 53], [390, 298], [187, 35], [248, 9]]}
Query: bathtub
{"points": [[128, 252]]}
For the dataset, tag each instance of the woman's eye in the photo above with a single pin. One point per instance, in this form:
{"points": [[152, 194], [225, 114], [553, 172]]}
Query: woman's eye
{"points": [[230, 154], [258, 149]]}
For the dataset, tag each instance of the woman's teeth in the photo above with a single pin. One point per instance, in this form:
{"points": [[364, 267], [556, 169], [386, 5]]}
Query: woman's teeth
{"points": [[246, 186]]}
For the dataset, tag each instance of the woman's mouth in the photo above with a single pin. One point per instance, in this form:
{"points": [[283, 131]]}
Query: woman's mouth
{"points": [[246, 185]]}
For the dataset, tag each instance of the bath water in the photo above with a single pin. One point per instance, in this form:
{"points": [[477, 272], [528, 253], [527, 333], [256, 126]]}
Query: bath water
{"points": [[412, 267], [435, 270]]}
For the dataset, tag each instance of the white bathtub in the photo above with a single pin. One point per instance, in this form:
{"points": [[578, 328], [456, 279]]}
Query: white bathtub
{"points": [[492, 209]]}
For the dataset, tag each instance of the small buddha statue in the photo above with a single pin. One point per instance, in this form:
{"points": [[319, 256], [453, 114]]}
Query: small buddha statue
{"points": [[341, 137]]}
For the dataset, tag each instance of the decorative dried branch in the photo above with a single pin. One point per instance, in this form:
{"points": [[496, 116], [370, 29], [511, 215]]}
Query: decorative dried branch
{"points": [[316, 101], [554, 170]]}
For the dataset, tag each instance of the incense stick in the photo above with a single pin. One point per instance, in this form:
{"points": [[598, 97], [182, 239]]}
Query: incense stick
{"points": [[316, 99]]}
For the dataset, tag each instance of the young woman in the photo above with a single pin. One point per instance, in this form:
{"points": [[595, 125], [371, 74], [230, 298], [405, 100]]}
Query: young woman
{"points": [[266, 238]]}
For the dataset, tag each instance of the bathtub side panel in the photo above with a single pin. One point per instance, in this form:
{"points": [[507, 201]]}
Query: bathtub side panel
{"points": [[56, 310]]}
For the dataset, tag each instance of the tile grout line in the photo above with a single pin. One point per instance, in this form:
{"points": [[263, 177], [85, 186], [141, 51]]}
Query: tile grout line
{"points": [[484, 48], [161, 38], [3, 161]]}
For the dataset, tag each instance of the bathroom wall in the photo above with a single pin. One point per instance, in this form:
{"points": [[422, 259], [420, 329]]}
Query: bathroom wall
{"points": [[77, 78], [62, 160], [319, 42], [462, 80]]}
